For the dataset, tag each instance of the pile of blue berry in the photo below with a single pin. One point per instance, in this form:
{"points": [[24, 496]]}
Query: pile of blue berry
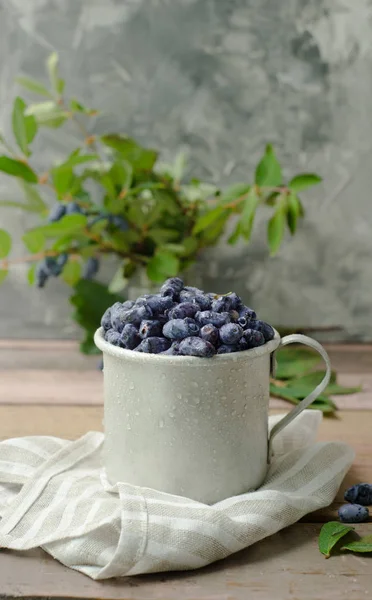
{"points": [[359, 496], [185, 321]]}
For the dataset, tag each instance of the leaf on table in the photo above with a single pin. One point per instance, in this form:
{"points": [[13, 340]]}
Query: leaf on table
{"points": [[330, 534], [5, 243], [286, 369], [362, 545]]}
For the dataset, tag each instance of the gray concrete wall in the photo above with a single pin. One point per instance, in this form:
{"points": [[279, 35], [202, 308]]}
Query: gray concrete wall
{"points": [[220, 78]]}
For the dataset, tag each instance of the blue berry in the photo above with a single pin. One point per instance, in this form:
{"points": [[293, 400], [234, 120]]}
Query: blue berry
{"points": [[222, 304], [234, 315], [128, 304], [173, 350], [253, 338], [353, 513], [129, 337], [121, 317], [361, 493], [42, 274], [119, 222], [150, 328], [266, 329], [113, 337], [57, 213], [208, 316], [182, 310], [236, 301], [178, 329], [173, 283], [159, 304], [242, 345], [73, 208], [226, 349], [193, 290], [153, 345], [209, 333], [230, 333], [106, 318], [247, 313], [91, 267], [202, 301], [195, 346]]}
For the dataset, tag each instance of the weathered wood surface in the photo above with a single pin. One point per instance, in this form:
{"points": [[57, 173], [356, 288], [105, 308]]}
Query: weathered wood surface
{"points": [[43, 365], [285, 566], [48, 388]]}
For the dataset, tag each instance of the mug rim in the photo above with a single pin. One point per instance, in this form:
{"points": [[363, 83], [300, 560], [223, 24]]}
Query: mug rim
{"points": [[141, 357]]}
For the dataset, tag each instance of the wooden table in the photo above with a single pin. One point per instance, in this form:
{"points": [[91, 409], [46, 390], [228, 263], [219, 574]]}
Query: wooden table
{"points": [[49, 388]]}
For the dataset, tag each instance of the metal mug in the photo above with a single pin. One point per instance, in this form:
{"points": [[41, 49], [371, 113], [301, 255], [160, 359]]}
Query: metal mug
{"points": [[194, 427]]}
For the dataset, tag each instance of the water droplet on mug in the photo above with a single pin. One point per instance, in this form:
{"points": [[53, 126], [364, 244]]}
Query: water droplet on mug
{"points": [[179, 396], [171, 415], [195, 384], [163, 375], [131, 385], [161, 423], [129, 427], [233, 413], [137, 413], [223, 398], [197, 400], [218, 412], [219, 381]]}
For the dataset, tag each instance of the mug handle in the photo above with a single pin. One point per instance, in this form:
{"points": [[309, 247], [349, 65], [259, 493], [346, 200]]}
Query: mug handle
{"points": [[302, 339]]}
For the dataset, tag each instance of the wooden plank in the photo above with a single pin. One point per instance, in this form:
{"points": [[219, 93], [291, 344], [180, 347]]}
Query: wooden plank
{"points": [[287, 565]]}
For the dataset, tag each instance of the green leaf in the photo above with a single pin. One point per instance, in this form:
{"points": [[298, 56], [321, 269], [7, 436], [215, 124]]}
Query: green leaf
{"points": [[34, 241], [52, 68], [5, 243], [24, 128], [142, 159], [275, 229], [71, 272], [17, 168], [304, 181], [62, 180], [48, 114], [75, 160], [268, 171], [76, 106], [162, 265], [208, 219], [293, 211], [161, 236], [31, 275], [3, 274], [118, 282], [330, 534], [293, 362], [234, 192], [90, 300], [235, 235], [69, 224], [34, 200], [249, 210], [340, 390], [362, 545], [34, 86], [121, 174]]}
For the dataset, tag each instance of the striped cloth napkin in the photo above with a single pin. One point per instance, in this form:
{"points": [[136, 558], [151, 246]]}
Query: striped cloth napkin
{"points": [[53, 494]]}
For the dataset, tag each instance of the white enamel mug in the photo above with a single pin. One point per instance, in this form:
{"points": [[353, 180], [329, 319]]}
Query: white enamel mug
{"points": [[194, 427]]}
